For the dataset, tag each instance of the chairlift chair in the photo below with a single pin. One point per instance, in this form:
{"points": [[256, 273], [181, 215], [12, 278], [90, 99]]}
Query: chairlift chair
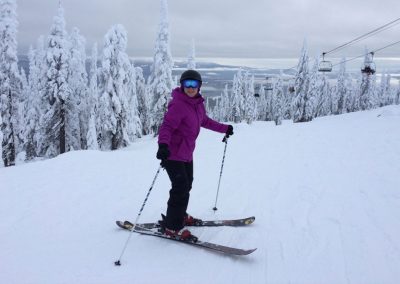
{"points": [[325, 65], [369, 65], [268, 85]]}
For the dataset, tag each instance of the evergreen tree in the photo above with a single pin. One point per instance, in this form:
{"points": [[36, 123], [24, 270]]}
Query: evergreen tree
{"points": [[78, 83], [397, 95], [1, 144], [224, 105], [31, 117], [60, 122], [192, 57], [382, 90], [10, 82], [134, 123], [114, 108], [268, 107], [288, 100], [160, 80], [93, 103], [143, 98], [342, 91], [384, 93], [313, 92], [262, 103], [322, 104], [389, 97], [301, 87], [349, 102], [367, 95], [278, 101], [250, 103], [33, 105], [236, 114]]}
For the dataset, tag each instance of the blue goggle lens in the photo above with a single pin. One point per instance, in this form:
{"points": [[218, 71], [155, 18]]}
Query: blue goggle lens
{"points": [[191, 84]]}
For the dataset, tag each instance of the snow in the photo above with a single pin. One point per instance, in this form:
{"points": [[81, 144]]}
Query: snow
{"points": [[325, 195]]}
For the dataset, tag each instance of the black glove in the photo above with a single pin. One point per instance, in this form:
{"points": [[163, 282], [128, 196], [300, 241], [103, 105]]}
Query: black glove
{"points": [[229, 132], [163, 152]]}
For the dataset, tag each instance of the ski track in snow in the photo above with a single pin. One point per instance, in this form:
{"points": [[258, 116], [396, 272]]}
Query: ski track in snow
{"points": [[325, 196]]}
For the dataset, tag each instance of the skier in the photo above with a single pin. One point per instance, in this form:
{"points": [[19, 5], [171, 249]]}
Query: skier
{"points": [[176, 143]]}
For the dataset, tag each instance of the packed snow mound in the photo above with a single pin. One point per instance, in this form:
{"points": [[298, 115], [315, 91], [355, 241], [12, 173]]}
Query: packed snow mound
{"points": [[325, 195], [389, 111]]}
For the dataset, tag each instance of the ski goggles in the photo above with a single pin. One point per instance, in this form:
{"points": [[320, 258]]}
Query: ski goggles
{"points": [[191, 84]]}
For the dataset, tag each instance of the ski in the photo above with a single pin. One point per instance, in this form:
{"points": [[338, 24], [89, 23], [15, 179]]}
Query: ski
{"points": [[198, 243], [210, 223]]}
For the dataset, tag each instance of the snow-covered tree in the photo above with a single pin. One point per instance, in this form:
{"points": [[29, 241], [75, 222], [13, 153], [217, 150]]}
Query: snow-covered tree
{"points": [[314, 91], [389, 97], [384, 93], [237, 105], [223, 105], [33, 104], [278, 102], [10, 82], [397, 95], [250, 103], [192, 57], [367, 88], [350, 98], [91, 136], [78, 82], [301, 87], [322, 104], [134, 122], [262, 103], [288, 100], [143, 98], [160, 80], [60, 122], [342, 91], [1, 144], [114, 108], [93, 103]]}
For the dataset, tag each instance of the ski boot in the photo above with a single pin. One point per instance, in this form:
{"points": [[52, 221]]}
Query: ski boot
{"points": [[182, 234], [191, 221]]}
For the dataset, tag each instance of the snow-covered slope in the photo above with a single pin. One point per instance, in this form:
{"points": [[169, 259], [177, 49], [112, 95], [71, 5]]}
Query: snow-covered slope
{"points": [[326, 196]]}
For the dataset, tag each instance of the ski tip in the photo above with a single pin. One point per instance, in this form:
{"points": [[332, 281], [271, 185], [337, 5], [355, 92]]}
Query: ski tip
{"points": [[249, 251], [250, 220]]}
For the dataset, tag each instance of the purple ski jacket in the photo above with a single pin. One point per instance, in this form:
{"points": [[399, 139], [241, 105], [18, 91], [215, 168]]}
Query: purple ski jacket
{"points": [[181, 125]]}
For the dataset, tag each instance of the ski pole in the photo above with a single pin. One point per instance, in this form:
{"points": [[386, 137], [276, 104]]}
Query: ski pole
{"points": [[118, 262], [225, 140]]}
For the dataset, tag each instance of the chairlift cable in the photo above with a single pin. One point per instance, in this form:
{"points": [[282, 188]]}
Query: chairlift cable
{"points": [[367, 35], [364, 36], [374, 51]]}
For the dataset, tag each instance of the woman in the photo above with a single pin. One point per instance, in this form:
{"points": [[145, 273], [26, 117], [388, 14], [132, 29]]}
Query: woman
{"points": [[176, 142]]}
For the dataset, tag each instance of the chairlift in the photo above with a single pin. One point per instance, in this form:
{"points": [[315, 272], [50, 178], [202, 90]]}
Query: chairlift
{"points": [[290, 85], [268, 85], [369, 65], [325, 65]]}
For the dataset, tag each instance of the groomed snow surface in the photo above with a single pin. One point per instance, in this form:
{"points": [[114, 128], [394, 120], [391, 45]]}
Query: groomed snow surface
{"points": [[326, 196]]}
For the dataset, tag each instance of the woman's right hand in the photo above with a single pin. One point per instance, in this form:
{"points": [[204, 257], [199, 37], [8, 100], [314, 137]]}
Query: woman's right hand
{"points": [[163, 152]]}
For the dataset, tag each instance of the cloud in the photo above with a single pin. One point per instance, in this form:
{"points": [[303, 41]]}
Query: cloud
{"points": [[236, 28]]}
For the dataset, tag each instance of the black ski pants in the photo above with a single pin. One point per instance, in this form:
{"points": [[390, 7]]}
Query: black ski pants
{"points": [[181, 176]]}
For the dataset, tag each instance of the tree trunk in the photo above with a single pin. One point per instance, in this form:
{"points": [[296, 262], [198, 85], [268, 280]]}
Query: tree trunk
{"points": [[62, 129]]}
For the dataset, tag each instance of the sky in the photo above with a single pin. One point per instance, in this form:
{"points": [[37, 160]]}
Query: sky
{"points": [[223, 29]]}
